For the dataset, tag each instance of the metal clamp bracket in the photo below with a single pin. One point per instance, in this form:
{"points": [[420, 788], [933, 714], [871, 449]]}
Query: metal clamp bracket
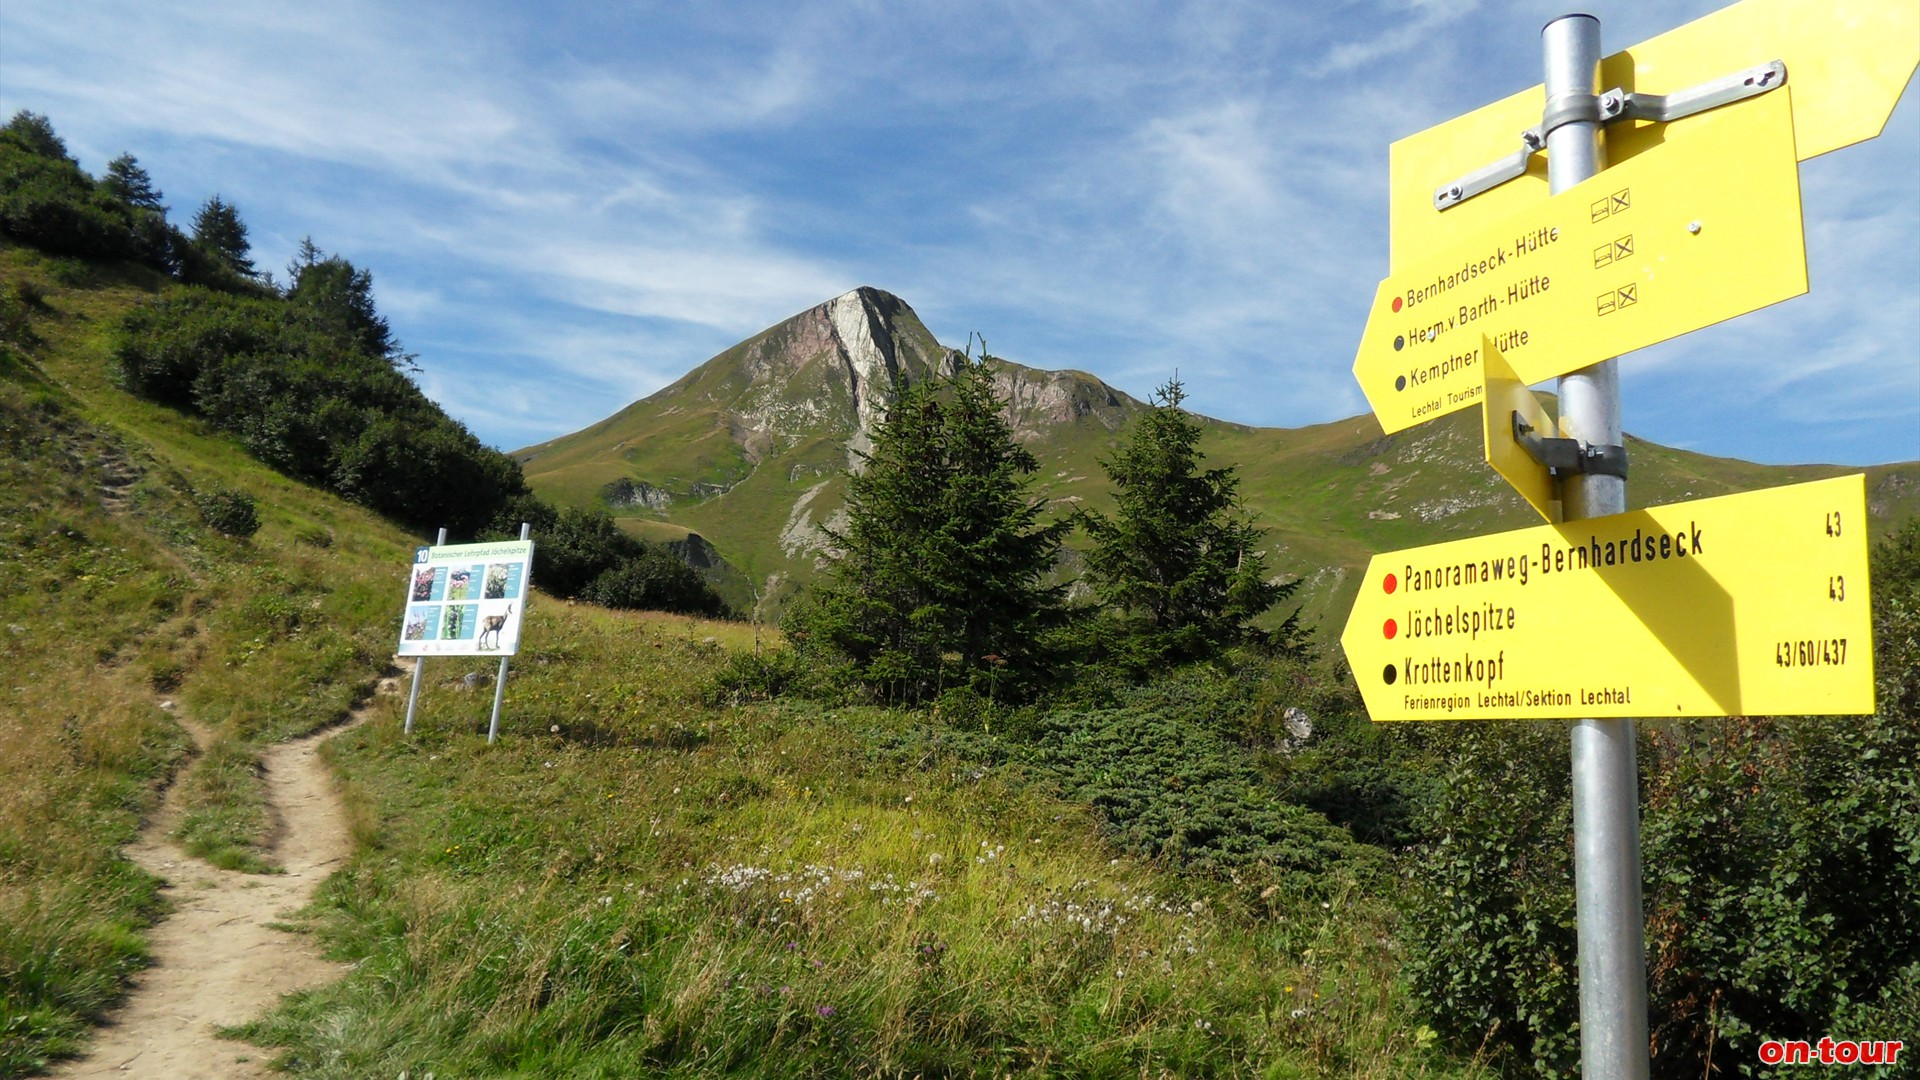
{"points": [[1569, 456], [1615, 104]]}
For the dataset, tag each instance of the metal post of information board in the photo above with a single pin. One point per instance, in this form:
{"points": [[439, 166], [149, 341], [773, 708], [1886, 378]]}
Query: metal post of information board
{"points": [[500, 683], [1606, 811], [419, 662]]}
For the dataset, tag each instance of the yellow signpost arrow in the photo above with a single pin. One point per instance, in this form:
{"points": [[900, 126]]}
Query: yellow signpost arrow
{"points": [[1678, 238], [1507, 400], [1745, 604], [1847, 60]]}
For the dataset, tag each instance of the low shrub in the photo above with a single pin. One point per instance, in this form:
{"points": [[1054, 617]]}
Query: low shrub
{"points": [[1170, 788], [655, 579], [754, 676], [228, 511], [1782, 874]]}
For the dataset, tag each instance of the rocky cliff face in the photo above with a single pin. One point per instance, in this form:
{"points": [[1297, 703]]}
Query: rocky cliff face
{"points": [[835, 368], [1039, 402]]}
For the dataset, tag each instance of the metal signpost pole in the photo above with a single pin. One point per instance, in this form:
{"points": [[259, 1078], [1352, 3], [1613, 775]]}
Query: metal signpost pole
{"points": [[500, 683], [1606, 812], [419, 662]]}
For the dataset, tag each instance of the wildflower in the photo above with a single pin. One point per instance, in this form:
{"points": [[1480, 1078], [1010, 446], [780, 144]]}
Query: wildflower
{"points": [[825, 1011]]}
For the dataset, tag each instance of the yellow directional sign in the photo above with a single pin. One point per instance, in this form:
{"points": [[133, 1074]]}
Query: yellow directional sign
{"points": [[1674, 240], [1507, 396], [1741, 605], [1847, 61]]}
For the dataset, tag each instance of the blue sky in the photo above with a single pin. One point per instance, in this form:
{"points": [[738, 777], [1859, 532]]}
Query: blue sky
{"points": [[566, 207]]}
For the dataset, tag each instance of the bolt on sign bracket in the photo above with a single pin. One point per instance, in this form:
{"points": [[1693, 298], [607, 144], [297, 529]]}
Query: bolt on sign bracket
{"points": [[1615, 104]]}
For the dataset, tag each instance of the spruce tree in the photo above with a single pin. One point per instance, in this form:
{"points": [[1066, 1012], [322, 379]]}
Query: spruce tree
{"points": [[218, 231], [128, 182], [1177, 562], [336, 297], [939, 577]]}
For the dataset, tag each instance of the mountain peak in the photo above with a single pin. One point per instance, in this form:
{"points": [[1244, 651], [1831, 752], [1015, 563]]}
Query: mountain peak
{"points": [[798, 403], [864, 325]]}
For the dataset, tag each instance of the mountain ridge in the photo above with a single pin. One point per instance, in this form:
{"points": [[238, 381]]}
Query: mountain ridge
{"points": [[747, 451]]}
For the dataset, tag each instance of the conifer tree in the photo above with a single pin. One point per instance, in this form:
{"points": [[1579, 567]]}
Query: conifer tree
{"points": [[939, 580], [1177, 562], [128, 182], [337, 297], [218, 231], [33, 132]]}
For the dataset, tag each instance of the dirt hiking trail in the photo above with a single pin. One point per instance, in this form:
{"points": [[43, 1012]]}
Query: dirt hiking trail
{"points": [[217, 960]]}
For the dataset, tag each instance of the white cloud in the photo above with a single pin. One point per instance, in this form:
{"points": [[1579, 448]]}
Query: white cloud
{"points": [[584, 203]]}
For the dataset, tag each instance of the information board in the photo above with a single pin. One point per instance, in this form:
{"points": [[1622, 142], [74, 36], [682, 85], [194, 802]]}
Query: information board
{"points": [[466, 599]]}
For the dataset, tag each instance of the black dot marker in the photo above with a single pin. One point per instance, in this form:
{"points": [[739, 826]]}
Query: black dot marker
{"points": [[1390, 675]]}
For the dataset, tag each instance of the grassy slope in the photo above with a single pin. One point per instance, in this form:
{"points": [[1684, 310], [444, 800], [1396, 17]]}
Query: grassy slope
{"points": [[122, 611], [635, 881], [631, 878]]}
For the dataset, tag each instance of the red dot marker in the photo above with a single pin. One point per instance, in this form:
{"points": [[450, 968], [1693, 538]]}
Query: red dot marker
{"points": [[1392, 629], [1391, 583], [1396, 303]]}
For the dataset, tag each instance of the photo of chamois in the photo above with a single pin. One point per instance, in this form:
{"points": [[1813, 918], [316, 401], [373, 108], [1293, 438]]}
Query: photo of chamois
{"points": [[490, 626]]}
